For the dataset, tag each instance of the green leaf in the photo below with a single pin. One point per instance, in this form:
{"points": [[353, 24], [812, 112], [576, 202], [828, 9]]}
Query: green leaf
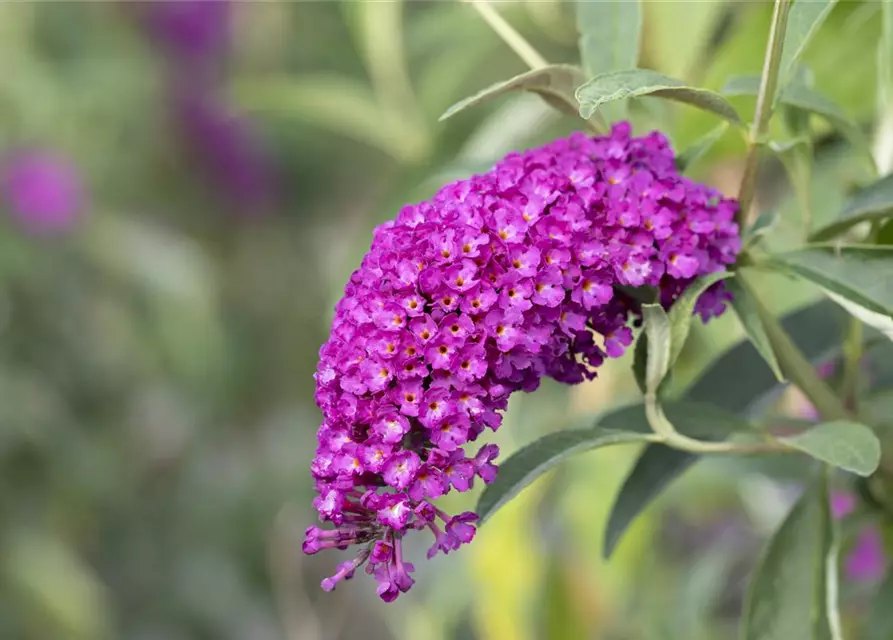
{"points": [[874, 202], [681, 312], [804, 20], [802, 97], [657, 364], [761, 226], [879, 321], [747, 315], [555, 84], [798, 368], [609, 35], [885, 64], [633, 83], [741, 86], [699, 21], [879, 623], [533, 460], [340, 105], [847, 445], [700, 146], [739, 380], [796, 157], [658, 331], [885, 234], [640, 361], [860, 274], [792, 593]]}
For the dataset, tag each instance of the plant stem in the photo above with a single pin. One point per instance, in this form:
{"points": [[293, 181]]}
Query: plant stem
{"points": [[798, 369], [765, 100], [852, 358], [666, 434], [508, 34]]}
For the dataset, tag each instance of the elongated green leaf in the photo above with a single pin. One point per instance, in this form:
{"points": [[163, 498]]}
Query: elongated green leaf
{"points": [[658, 331], [885, 234], [802, 97], [885, 80], [741, 86], [555, 84], [532, 461], [609, 35], [874, 202], [792, 593], [633, 83], [341, 105], [640, 361], [796, 157], [860, 274], [804, 20], [700, 146], [746, 312], [681, 312], [847, 445], [737, 381], [761, 226], [879, 321]]}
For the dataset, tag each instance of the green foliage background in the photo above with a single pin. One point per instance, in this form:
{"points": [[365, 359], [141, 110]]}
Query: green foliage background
{"points": [[156, 398]]}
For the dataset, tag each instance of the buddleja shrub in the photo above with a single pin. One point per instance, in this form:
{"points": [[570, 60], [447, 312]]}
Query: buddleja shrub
{"points": [[547, 264]]}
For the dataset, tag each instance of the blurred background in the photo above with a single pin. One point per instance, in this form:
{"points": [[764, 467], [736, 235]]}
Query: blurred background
{"points": [[184, 189]]}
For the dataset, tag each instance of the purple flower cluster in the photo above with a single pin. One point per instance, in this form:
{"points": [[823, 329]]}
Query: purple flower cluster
{"points": [[497, 281], [866, 560], [197, 35], [42, 190]]}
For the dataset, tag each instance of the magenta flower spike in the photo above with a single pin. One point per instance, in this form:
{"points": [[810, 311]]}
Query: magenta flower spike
{"points": [[496, 282]]}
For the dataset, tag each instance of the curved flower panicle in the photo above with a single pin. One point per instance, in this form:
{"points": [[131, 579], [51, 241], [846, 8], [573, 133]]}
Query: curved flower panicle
{"points": [[496, 282]]}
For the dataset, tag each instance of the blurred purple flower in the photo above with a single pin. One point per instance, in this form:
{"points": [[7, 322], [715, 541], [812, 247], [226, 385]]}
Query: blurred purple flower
{"points": [[867, 560], [226, 146], [194, 32], [842, 504], [42, 190]]}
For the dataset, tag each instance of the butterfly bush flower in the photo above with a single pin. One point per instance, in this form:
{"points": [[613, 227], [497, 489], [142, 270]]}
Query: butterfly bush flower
{"points": [[41, 190], [496, 282], [227, 147], [196, 37], [866, 560], [194, 33]]}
